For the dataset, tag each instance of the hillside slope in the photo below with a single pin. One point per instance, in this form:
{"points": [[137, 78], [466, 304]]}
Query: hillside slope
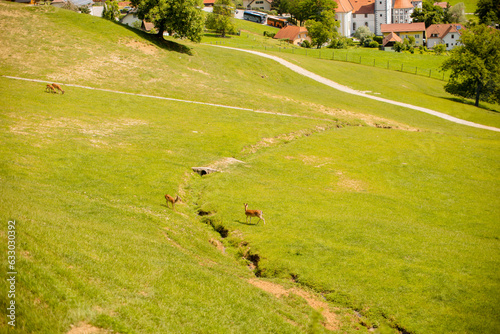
{"points": [[388, 215]]}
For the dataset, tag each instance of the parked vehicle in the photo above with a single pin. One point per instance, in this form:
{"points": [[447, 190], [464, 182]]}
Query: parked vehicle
{"points": [[254, 16]]}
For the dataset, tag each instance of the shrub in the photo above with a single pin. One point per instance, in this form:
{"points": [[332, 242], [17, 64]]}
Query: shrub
{"points": [[269, 34], [306, 44], [373, 44], [378, 39], [439, 49]]}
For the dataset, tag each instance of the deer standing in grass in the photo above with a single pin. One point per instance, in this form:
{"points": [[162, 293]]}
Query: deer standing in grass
{"points": [[56, 86], [253, 213], [50, 89], [170, 199]]}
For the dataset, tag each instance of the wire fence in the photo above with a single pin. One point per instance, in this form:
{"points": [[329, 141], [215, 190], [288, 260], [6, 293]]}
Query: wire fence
{"points": [[348, 56]]}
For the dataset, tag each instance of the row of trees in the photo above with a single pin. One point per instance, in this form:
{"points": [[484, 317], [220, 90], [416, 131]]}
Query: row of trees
{"points": [[433, 14]]}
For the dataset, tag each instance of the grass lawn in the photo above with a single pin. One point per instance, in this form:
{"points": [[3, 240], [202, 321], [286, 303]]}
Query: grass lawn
{"points": [[389, 215]]}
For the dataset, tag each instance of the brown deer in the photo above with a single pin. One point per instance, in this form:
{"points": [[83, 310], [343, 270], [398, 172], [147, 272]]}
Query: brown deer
{"points": [[50, 89], [170, 199], [56, 86], [253, 213]]}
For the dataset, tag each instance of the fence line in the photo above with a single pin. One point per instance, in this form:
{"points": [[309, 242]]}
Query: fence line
{"points": [[345, 56]]}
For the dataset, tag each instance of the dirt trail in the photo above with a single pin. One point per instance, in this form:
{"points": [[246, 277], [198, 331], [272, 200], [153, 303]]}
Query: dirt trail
{"points": [[348, 90]]}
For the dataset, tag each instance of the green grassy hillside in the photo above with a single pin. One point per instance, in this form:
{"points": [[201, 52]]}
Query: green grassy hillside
{"points": [[389, 215]]}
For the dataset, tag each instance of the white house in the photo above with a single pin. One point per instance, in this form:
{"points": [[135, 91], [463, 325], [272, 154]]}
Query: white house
{"points": [[363, 14], [447, 34], [260, 4], [130, 18], [343, 14], [401, 11]]}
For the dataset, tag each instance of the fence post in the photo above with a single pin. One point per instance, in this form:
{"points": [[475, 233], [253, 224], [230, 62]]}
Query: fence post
{"points": [[373, 62], [416, 70], [387, 64], [430, 71], [333, 55], [402, 67]]}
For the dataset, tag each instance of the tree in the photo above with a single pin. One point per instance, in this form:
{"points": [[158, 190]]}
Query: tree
{"points": [[456, 14], [281, 6], [475, 65], [111, 10], [322, 31], [439, 49], [363, 33], [182, 17], [429, 14], [220, 19], [304, 10], [323, 28], [488, 11]]}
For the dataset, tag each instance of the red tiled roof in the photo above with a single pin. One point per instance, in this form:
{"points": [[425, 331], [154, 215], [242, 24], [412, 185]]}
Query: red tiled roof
{"points": [[290, 32], [402, 4], [441, 4], [208, 2], [343, 6], [403, 27], [363, 6], [392, 37], [442, 30]]}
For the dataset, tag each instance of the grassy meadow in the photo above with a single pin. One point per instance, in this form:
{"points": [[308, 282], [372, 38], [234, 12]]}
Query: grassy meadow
{"points": [[388, 215]]}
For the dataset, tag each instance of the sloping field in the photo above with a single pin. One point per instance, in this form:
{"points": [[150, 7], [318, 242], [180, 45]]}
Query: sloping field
{"points": [[378, 219]]}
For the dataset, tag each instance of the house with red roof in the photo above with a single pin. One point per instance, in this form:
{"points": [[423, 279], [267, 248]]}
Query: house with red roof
{"points": [[390, 40], [353, 14], [343, 14], [293, 34], [447, 34], [405, 30], [363, 14]]}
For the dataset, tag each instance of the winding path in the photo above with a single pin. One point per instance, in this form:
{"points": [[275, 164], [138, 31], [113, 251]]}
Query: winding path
{"points": [[348, 90]]}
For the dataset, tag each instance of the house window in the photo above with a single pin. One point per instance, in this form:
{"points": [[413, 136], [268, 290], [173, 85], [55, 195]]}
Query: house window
{"points": [[447, 45], [366, 15], [452, 36], [380, 15], [366, 24], [353, 16], [417, 36], [354, 26]]}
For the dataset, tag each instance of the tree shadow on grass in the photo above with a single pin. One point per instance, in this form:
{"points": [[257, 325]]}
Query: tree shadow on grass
{"points": [[159, 41], [470, 103]]}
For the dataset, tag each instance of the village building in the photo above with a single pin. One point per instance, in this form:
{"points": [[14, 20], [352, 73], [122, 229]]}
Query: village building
{"points": [[353, 14], [447, 34], [293, 34], [406, 30], [258, 4]]}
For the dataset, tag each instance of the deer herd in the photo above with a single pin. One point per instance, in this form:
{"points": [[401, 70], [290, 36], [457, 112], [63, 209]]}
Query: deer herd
{"points": [[248, 213], [51, 88]]}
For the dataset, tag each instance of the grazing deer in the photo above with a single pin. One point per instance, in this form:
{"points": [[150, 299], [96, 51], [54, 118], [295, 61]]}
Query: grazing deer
{"points": [[50, 89], [253, 213], [56, 86], [170, 199]]}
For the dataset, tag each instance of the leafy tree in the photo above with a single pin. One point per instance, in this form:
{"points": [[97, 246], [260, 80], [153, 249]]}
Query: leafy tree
{"points": [[363, 33], [456, 13], [182, 17], [304, 10], [488, 11], [429, 14], [281, 6], [220, 19], [322, 31], [111, 11], [475, 65], [439, 49]]}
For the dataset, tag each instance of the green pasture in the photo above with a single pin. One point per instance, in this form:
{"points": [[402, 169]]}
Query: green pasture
{"points": [[390, 215]]}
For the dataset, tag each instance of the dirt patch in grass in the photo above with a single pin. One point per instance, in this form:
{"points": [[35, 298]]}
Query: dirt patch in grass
{"points": [[224, 163], [284, 138], [331, 321], [83, 328], [148, 49]]}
